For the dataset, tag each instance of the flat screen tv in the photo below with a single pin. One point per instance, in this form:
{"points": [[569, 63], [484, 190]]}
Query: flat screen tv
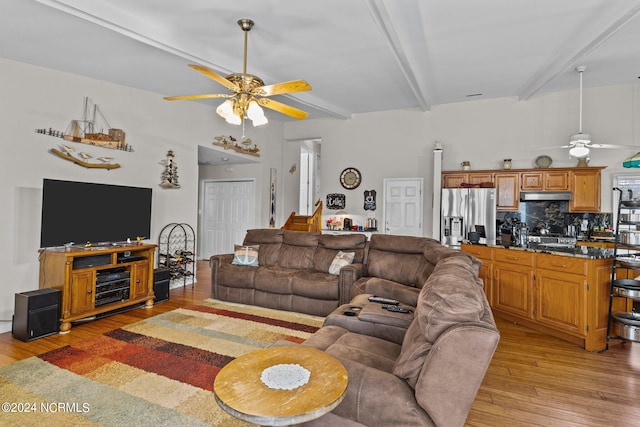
{"points": [[82, 212]]}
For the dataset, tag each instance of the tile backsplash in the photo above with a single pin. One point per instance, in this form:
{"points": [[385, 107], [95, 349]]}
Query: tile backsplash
{"points": [[554, 215]]}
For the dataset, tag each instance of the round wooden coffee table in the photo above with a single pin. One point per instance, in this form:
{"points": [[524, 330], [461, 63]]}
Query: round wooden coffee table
{"points": [[239, 390]]}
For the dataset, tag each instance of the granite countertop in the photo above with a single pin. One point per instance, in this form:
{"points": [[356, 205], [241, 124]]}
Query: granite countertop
{"points": [[588, 252]]}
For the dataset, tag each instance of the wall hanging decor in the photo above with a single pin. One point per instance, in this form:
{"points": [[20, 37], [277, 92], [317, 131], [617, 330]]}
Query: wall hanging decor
{"points": [[89, 130], [369, 200], [83, 159], [273, 178], [169, 175], [230, 143], [336, 201]]}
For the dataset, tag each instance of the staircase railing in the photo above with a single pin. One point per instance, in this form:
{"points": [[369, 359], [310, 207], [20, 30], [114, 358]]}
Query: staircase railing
{"points": [[305, 222]]}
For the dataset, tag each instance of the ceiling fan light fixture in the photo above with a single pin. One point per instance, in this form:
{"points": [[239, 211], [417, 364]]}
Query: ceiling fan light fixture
{"points": [[579, 151], [225, 109], [580, 138], [256, 114]]}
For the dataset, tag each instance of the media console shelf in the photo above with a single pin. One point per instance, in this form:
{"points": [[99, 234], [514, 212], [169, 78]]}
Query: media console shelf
{"points": [[97, 280]]}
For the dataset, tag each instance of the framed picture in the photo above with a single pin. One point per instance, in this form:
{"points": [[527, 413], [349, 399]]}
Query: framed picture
{"points": [[336, 201]]}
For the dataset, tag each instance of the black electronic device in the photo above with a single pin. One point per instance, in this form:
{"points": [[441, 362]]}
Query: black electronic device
{"points": [[36, 314], [130, 258], [91, 261], [397, 308], [161, 279], [383, 300], [84, 212]]}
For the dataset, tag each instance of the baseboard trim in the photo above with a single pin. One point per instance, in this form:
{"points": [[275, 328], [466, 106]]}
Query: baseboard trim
{"points": [[5, 327]]}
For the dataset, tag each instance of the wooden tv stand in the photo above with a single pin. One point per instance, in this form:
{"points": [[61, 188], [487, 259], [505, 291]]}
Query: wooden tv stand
{"points": [[96, 280]]}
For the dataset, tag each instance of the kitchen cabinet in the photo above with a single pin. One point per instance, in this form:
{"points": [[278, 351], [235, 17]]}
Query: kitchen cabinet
{"points": [[547, 180], [584, 183], [513, 282], [556, 181], [564, 296], [456, 179], [507, 191], [560, 301], [585, 188]]}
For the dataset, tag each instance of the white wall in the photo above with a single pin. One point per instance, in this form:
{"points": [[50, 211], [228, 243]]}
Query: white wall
{"points": [[396, 144], [33, 97], [268, 138]]}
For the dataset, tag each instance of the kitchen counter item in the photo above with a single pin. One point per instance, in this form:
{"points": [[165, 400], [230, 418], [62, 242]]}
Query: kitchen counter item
{"points": [[589, 252]]}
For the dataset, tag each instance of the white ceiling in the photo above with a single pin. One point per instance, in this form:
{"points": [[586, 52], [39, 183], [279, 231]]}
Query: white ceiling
{"points": [[359, 55]]}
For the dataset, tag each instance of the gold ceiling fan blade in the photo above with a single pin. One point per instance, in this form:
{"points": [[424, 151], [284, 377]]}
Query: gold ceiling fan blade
{"points": [[283, 108], [217, 77], [280, 88], [203, 96]]}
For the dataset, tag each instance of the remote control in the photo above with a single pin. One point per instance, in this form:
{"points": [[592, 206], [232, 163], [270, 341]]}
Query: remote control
{"points": [[396, 308], [384, 300]]}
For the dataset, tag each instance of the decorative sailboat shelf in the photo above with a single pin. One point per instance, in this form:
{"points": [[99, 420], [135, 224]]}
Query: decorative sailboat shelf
{"points": [[84, 163], [88, 130]]}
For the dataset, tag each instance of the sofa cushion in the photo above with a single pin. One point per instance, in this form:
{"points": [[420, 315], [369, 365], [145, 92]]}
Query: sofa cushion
{"points": [[340, 260], [329, 245], [246, 255], [315, 284], [398, 267], [237, 276], [450, 296], [274, 280], [297, 249], [269, 240]]}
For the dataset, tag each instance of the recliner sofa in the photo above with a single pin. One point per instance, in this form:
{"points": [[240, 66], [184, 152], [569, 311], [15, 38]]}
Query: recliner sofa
{"points": [[421, 368]]}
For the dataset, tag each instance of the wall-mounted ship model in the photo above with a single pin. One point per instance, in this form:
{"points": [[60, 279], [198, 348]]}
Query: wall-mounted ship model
{"points": [[90, 130], [85, 131]]}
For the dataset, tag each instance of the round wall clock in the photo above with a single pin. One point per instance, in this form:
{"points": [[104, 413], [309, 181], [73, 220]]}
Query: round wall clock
{"points": [[350, 178]]}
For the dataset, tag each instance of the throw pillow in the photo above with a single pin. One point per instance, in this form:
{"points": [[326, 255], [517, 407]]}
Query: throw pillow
{"points": [[245, 255], [340, 260]]}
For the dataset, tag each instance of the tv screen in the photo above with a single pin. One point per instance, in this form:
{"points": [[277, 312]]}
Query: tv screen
{"points": [[82, 212]]}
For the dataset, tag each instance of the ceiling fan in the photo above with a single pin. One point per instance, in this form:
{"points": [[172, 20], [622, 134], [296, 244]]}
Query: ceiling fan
{"points": [[249, 92], [580, 144]]}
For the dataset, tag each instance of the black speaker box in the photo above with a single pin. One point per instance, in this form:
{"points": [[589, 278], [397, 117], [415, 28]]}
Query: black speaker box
{"points": [[36, 314], [161, 278]]}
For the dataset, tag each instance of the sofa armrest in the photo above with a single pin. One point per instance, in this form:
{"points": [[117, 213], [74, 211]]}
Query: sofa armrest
{"points": [[347, 277], [214, 262], [370, 394], [407, 295], [454, 371]]}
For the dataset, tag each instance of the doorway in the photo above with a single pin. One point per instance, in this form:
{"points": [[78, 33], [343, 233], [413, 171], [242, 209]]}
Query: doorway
{"points": [[402, 209], [309, 176], [228, 211]]}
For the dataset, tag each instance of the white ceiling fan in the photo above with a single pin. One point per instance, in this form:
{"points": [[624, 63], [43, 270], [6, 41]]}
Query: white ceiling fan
{"points": [[580, 144]]}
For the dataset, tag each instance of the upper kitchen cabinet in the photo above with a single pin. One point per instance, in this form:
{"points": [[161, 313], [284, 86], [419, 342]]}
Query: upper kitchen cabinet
{"points": [[585, 186], [507, 190], [584, 183], [456, 179], [547, 180]]}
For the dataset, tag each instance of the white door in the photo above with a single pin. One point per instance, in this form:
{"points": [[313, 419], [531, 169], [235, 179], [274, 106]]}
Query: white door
{"points": [[227, 213], [402, 208]]}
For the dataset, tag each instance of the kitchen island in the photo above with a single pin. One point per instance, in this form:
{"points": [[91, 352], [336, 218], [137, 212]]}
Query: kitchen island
{"points": [[560, 291]]}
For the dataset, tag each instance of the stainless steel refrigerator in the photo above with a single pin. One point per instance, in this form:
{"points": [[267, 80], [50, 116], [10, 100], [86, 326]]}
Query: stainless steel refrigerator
{"points": [[465, 210]]}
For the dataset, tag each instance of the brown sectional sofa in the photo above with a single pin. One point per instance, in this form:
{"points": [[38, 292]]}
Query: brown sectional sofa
{"points": [[421, 368], [433, 376], [293, 271]]}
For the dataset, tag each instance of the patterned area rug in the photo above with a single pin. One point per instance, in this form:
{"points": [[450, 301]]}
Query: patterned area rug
{"points": [[156, 372]]}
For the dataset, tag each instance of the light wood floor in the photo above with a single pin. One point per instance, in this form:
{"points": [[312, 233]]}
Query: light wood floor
{"points": [[534, 379]]}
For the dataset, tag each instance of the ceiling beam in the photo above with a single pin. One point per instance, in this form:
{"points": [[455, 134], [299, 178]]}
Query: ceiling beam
{"points": [[571, 56], [382, 19]]}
